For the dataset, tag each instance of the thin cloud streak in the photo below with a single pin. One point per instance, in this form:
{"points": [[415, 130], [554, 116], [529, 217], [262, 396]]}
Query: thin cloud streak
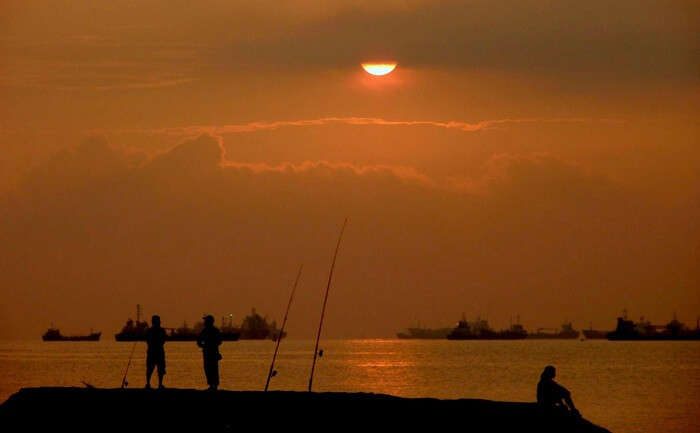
{"points": [[358, 121], [404, 173], [149, 85]]}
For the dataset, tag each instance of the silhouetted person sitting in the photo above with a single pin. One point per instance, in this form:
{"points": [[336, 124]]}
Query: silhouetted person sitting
{"points": [[552, 396], [210, 340], [155, 354]]}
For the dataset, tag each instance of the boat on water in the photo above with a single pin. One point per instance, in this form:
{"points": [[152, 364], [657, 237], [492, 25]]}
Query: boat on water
{"points": [[186, 333], [254, 327], [593, 334], [136, 331], [480, 330], [53, 334], [644, 331], [421, 333], [567, 332], [257, 327]]}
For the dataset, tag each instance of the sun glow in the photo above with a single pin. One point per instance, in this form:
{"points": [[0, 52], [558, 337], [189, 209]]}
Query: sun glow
{"points": [[379, 68]]}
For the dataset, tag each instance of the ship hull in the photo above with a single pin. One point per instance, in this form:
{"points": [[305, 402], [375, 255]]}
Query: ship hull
{"points": [[487, 337], [621, 337], [424, 334], [91, 337], [592, 334], [225, 336], [558, 336], [627, 330]]}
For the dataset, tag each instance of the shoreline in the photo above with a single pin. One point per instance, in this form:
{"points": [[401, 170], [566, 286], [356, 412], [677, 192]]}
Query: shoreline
{"points": [[99, 409]]}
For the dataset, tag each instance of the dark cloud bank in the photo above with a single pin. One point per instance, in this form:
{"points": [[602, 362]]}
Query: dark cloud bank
{"points": [[95, 231], [585, 41]]}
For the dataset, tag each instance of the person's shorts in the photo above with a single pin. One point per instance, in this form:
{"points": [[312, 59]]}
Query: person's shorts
{"points": [[155, 360]]}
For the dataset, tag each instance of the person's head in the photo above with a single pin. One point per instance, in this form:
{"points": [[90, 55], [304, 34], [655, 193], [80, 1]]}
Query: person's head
{"points": [[155, 321], [549, 372], [208, 320]]}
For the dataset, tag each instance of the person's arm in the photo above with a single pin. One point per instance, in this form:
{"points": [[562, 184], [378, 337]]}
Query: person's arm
{"points": [[570, 403], [200, 339], [565, 395]]}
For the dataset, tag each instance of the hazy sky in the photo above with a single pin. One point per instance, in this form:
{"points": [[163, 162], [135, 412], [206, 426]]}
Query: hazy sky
{"points": [[532, 158]]}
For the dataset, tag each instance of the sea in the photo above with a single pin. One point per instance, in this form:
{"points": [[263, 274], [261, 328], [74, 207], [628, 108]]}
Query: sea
{"points": [[627, 387]]}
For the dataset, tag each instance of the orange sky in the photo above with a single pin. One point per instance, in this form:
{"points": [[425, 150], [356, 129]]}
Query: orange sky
{"points": [[524, 158]]}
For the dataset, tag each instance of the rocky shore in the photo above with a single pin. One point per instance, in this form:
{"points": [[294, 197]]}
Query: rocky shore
{"points": [[135, 410]]}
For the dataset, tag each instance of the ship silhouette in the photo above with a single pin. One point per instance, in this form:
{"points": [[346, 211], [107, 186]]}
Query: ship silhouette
{"points": [[567, 332], [480, 330], [53, 334], [253, 327], [421, 333], [643, 330], [593, 334]]}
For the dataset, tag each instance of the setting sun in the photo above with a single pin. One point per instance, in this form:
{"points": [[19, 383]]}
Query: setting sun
{"points": [[502, 234], [379, 68]]}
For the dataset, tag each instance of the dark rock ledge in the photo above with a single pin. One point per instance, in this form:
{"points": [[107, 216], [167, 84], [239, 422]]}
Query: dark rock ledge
{"points": [[134, 410]]}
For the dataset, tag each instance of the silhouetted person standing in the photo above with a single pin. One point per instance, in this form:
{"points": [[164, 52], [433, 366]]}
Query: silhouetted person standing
{"points": [[551, 395], [210, 340], [155, 354]]}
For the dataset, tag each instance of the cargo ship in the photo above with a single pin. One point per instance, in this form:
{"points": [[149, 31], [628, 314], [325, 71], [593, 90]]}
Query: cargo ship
{"points": [[594, 334], [133, 330], [185, 333], [480, 330], [567, 332], [645, 331], [420, 333], [53, 334], [254, 327]]}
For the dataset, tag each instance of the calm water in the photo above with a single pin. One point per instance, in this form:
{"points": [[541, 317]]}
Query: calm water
{"points": [[628, 387]]}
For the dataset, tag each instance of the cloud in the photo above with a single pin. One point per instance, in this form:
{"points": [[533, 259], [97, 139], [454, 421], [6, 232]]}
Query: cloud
{"points": [[408, 174], [93, 160], [364, 121], [201, 153], [148, 85], [589, 40], [570, 42], [206, 153], [189, 231]]}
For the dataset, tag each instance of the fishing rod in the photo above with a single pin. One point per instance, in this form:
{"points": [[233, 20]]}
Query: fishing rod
{"points": [[325, 300], [124, 382], [272, 371]]}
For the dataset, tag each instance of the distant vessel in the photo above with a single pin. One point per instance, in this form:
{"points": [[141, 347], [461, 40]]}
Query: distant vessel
{"points": [[566, 332], [592, 334], [480, 330], [185, 333], [422, 333], [644, 330], [53, 334], [254, 327], [136, 330], [133, 331]]}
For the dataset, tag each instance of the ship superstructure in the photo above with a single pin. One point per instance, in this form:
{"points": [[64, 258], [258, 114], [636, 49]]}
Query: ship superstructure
{"points": [[480, 330]]}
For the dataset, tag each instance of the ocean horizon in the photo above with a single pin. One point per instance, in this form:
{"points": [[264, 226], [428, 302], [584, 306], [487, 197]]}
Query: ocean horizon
{"points": [[633, 387]]}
